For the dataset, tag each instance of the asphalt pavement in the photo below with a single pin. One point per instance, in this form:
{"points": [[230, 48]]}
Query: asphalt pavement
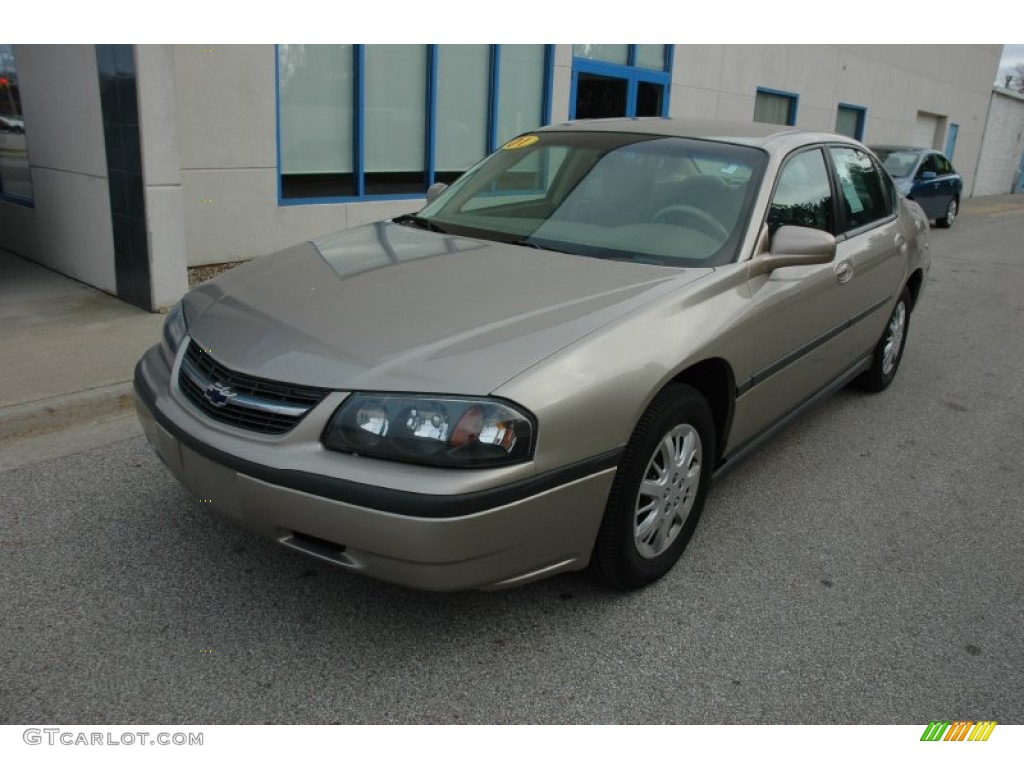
{"points": [[862, 567]]}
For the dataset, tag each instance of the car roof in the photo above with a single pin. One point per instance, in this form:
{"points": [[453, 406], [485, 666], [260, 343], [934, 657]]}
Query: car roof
{"points": [[765, 135], [903, 148]]}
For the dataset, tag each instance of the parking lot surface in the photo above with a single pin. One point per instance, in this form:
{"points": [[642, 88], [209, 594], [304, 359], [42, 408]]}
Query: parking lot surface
{"points": [[862, 567]]}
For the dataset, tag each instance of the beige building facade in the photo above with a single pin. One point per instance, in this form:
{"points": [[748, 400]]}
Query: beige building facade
{"points": [[137, 162]]}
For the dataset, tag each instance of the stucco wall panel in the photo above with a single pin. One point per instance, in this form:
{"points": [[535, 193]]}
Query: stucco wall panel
{"points": [[698, 66], [811, 72], [746, 67], [72, 223], [60, 96], [694, 102], [233, 214], [561, 86], [69, 228], [226, 106]]}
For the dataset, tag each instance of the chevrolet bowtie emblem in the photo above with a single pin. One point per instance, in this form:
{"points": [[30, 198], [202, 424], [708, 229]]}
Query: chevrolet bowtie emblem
{"points": [[218, 395]]}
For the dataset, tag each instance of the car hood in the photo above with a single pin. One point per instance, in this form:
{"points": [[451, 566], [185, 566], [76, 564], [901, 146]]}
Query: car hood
{"points": [[390, 307]]}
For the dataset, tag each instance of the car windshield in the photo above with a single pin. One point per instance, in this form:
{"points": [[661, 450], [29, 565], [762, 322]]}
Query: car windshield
{"points": [[667, 201], [899, 163]]}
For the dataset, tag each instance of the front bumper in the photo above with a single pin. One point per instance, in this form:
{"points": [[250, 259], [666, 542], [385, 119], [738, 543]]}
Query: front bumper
{"points": [[420, 527]]}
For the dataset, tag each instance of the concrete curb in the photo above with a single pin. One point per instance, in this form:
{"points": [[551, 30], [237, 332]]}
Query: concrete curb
{"points": [[53, 413]]}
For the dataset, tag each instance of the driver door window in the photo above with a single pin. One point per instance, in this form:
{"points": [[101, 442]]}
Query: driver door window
{"points": [[803, 197]]}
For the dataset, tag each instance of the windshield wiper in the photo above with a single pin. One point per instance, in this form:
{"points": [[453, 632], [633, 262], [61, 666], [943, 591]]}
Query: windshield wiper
{"points": [[419, 221], [526, 242]]}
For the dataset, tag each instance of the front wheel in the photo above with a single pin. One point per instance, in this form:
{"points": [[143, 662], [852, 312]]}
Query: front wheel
{"points": [[658, 492], [889, 351], [946, 221]]}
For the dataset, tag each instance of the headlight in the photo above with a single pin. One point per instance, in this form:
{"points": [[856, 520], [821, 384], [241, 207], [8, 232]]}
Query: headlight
{"points": [[425, 429], [174, 328]]}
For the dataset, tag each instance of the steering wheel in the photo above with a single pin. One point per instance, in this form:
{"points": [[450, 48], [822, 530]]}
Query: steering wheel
{"points": [[694, 218]]}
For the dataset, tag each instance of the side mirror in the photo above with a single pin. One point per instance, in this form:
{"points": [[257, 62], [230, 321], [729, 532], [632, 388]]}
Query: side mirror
{"points": [[927, 175], [435, 190], [795, 247]]}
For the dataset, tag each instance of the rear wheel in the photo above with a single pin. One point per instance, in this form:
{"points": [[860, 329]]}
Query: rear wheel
{"points": [[659, 490], [946, 221], [889, 350]]}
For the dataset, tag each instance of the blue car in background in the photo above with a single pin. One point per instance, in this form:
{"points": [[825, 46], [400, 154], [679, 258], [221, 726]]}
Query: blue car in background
{"points": [[927, 177]]}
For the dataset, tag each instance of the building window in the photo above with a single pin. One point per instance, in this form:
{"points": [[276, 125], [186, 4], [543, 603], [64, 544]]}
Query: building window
{"points": [[387, 121], [850, 121], [520, 97], [778, 107], [394, 119], [620, 81], [463, 91], [316, 114], [15, 175]]}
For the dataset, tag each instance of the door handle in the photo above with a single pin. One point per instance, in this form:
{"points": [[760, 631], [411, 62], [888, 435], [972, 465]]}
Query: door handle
{"points": [[901, 242], [844, 271]]}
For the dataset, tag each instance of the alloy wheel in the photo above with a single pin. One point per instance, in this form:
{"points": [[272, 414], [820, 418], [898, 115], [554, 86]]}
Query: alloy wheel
{"points": [[668, 491], [894, 338]]}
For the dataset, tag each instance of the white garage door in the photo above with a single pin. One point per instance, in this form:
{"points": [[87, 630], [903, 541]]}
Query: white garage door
{"points": [[924, 130]]}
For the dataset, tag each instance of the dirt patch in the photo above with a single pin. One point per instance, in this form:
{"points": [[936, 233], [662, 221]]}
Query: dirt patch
{"points": [[197, 275]]}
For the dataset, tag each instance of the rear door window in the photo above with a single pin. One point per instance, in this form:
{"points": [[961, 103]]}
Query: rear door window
{"points": [[863, 198]]}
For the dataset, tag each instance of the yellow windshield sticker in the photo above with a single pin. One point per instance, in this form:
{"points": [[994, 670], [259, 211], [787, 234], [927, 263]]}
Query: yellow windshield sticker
{"points": [[522, 141]]}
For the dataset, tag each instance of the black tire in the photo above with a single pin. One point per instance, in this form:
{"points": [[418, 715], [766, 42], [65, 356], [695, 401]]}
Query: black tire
{"points": [[884, 365], [679, 417], [946, 221]]}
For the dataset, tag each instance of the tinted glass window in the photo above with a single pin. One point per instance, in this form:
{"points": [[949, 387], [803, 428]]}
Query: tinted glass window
{"points": [[803, 197], [891, 195], [669, 201], [928, 164], [849, 122], [15, 178], [862, 195], [942, 164], [520, 93], [898, 163], [358, 121], [776, 108]]}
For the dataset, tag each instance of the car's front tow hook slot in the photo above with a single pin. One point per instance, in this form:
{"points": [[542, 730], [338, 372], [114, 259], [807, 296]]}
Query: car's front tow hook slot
{"points": [[312, 545]]}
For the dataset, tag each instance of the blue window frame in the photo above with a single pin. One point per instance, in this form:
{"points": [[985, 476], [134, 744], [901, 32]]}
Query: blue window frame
{"points": [[626, 88], [850, 119], [778, 107], [350, 178]]}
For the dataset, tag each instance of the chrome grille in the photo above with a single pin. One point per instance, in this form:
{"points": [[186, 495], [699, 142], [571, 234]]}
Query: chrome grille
{"points": [[270, 407]]}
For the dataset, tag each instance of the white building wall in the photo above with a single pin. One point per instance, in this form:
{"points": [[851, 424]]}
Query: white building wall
{"points": [[893, 83], [69, 228], [161, 172], [1003, 148], [561, 86]]}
